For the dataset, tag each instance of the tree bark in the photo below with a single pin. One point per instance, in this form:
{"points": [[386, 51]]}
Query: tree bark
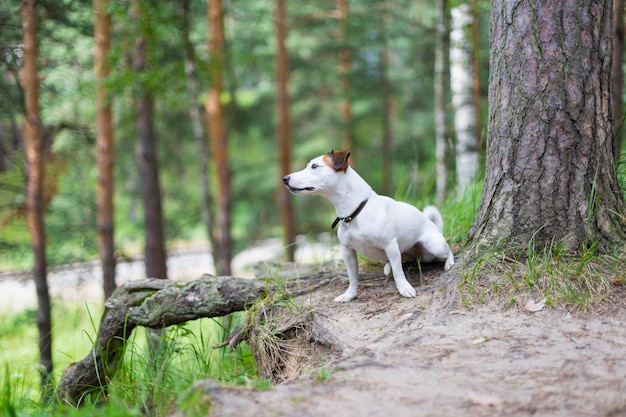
{"points": [[617, 76], [35, 155], [387, 107], [154, 253], [199, 133], [441, 82], [104, 147], [219, 136], [154, 304], [476, 93], [550, 175], [285, 206], [345, 67]]}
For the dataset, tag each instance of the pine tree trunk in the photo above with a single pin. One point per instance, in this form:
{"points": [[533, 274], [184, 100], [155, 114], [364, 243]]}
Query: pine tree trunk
{"points": [[34, 148], [387, 104], [476, 92], [550, 174], [155, 257], [104, 147], [199, 133], [218, 136], [285, 206], [617, 76], [345, 65]]}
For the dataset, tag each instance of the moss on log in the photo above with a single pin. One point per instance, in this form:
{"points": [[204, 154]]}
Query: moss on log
{"points": [[156, 304]]}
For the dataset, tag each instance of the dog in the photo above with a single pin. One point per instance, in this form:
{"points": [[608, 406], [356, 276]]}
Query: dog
{"points": [[376, 226]]}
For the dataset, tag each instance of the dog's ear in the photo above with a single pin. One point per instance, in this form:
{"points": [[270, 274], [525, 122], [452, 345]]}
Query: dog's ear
{"points": [[339, 160]]}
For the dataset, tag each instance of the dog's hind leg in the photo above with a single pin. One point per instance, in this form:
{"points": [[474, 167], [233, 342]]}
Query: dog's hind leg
{"points": [[349, 258], [395, 260]]}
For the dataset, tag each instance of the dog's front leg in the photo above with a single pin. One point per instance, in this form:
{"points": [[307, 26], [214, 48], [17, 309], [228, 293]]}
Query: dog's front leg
{"points": [[349, 258], [395, 260]]}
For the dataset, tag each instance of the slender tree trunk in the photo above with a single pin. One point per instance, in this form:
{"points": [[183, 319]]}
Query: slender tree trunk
{"points": [[462, 97], [345, 67], [218, 135], [199, 133], [285, 207], [155, 257], [441, 83], [35, 153], [475, 48], [104, 147], [617, 76], [387, 103], [550, 175]]}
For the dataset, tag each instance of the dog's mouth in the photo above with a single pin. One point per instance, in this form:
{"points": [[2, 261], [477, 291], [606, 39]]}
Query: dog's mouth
{"points": [[301, 190]]}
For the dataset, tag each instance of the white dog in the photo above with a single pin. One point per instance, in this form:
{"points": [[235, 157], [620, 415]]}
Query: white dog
{"points": [[376, 226]]}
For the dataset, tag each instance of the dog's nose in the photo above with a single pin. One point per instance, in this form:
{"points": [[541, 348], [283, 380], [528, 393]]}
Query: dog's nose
{"points": [[286, 179]]}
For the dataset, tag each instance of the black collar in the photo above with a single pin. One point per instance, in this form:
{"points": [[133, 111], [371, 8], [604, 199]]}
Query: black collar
{"points": [[351, 216]]}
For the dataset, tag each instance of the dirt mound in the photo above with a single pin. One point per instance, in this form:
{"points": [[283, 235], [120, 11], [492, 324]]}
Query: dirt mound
{"points": [[384, 355]]}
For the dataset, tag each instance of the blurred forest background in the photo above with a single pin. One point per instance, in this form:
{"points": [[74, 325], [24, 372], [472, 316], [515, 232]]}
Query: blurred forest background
{"points": [[361, 77], [161, 124]]}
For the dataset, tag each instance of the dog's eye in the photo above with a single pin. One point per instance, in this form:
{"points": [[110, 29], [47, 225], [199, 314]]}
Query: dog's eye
{"points": [[313, 166]]}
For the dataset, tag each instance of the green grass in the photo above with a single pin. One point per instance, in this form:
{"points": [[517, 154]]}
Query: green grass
{"points": [[581, 282], [147, 382]]}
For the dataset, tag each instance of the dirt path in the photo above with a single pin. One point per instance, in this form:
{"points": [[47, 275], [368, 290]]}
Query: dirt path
{"points": [[429, 356], [82, 282]]}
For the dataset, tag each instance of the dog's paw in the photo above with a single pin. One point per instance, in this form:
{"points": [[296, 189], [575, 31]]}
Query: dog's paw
{"points": [[345, 297], [449, 262], [387, 270], [406, 290]]}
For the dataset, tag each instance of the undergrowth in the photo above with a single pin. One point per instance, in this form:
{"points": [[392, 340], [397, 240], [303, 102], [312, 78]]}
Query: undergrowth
{"points": [[582, 282], [152, 377]]}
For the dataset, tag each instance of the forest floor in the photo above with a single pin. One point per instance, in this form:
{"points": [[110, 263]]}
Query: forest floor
{"points": [[384, 355]]}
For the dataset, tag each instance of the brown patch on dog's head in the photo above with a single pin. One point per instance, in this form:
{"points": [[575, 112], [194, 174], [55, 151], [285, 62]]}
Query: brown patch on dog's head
{"points": [[337, 160]]}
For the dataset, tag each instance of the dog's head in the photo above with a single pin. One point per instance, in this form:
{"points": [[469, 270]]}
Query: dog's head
{"points": [[320, 174]]}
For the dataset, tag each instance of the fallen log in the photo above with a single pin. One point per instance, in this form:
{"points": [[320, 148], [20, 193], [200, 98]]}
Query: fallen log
{"points": [[156, 304], [152, 303]]}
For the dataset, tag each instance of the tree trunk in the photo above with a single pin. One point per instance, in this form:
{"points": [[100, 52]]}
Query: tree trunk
{"points": [[345, 65], [475, 47], [218, 136], [463, 97], [387, 102], [550, 174], [199, 133], [285, 207], [104, 147], [441, 83], [155, 257], [617, 76], [35, 153]]}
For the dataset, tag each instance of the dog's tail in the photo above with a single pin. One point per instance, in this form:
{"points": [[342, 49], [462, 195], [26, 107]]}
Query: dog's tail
{"points": [[434, 216]]}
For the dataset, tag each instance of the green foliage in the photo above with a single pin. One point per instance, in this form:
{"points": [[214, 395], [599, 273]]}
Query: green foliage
{"points": [[150, 379]]}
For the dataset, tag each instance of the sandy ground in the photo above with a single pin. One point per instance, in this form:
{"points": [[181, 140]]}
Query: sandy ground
{"points": [[429, 356]]}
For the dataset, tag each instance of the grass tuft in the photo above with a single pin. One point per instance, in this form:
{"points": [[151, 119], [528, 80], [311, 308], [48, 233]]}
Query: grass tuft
{"points": [[582, 282]]}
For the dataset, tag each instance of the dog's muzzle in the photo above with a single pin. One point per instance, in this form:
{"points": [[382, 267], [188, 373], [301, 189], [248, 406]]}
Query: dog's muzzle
{"points": [[295, 190]]}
